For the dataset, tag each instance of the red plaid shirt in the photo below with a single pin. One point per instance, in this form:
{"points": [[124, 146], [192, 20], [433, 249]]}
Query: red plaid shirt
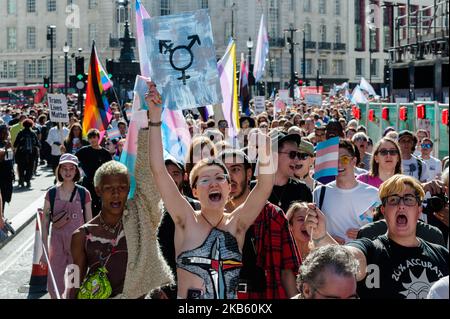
{"points": [[275, 251]]}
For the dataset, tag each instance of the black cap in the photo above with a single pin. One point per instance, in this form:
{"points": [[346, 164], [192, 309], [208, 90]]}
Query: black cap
{"points": [[281, 137], [407, 133]]}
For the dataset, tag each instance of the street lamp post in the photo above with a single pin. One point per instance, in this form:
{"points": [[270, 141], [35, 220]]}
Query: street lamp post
{"points": [[291, 51], [50, 32], [304, 57], [249, 46], [66, 50], [232, 19]]}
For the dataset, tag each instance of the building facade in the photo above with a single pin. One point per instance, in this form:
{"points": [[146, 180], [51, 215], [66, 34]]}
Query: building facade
{"points": [[336, 36]]}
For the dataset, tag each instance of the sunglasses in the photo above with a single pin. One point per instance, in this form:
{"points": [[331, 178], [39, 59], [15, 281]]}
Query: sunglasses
{"points": [[385, 152], [426, 146], [293, 154], [345, 159]]}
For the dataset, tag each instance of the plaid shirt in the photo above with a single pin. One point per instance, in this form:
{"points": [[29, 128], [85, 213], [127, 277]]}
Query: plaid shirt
{"points": [[275, 251]]}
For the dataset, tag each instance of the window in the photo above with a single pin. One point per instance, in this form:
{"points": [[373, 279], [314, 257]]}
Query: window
{"points": [[51, 5], [308, 66], [11, 7], [70, 37], [31, 6], [306, 5], [273, 19], [308, 35], [359, 67], [387, 37], [337, 7], [92, 29], [373, 40], [165, 7], [42, 68], [204, 4], [8, 69], [30, 69], [11, 38], [323, 66], [374, 67], [337, 34], [338, 67], [359, 37], [323, 33], [31, 37], [92, 4], [322, 6]]}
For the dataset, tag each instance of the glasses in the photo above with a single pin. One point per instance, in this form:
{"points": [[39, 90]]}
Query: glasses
{"points": [[385, 152], [426, 146], [219, 179], [293, 154], [408, 200], [345, 159]]}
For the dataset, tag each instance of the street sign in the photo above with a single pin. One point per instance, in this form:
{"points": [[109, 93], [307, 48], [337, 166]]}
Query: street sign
{"points": [[80, 85], [58, 108]]}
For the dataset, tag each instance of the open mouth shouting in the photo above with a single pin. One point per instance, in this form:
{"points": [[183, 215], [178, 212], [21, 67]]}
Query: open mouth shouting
{"points": [[401, 220], [215, 196], [116, 204]]}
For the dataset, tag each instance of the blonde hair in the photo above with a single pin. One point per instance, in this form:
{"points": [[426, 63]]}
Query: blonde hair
{"points": [[295, 206], [110, 168], [397, 184]]}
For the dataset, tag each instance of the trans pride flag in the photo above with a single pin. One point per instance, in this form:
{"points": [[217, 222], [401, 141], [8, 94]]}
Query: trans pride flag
{"points": [[97, 113], [262, 51], [327, 156], [227, 74]]}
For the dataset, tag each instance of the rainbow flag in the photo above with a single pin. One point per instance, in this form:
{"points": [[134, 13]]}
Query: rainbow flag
{"points": [[228, 82], [327, 156], [97, 113]]}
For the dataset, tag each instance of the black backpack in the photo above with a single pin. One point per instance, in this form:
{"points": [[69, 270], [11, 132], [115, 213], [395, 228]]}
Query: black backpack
{"points": [[81, 190]]}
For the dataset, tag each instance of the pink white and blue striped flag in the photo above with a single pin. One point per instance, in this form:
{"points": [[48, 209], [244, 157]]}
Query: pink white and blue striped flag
{"points": [[358, 96], [327, 156], [262, 51], [141, 15]]}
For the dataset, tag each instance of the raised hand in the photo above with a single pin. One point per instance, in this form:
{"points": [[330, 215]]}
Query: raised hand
{"points": [[154, 101], [315, 222]]}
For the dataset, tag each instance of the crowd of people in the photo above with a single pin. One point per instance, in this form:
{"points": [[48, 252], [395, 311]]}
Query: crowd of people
{"points": [[242, 217]]}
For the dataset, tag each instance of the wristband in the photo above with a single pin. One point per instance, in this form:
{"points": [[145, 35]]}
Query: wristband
{"points": [[154, 123]]}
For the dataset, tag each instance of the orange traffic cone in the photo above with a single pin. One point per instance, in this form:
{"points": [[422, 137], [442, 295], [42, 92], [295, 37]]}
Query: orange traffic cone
{"points": [[38, 279]]}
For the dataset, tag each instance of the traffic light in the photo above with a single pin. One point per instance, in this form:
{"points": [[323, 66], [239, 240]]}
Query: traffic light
{"points": [[387, 74], [79, 70], [46, 82]]}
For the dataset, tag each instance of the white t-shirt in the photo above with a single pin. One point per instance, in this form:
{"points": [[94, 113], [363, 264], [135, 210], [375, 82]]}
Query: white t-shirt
{"points": [[411, 168], [347, 208], [57, 135], [439, 290], [434, 167]]}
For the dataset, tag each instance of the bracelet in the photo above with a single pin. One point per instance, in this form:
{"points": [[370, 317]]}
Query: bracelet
{"points": [[154, 123]]}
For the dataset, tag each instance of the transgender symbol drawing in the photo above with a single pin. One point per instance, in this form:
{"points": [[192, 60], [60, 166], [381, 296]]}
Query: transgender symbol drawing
{"points": [[167, 46]]}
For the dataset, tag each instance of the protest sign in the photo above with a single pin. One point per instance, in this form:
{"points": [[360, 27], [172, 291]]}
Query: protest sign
{"points": [[57, 104], [260, 104], [283, 95], [183, 60], [313, 99]]}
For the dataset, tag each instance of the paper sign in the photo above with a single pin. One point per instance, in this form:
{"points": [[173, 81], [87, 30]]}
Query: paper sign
{"points": [[260, 104], [58, 108], [284, 95], [313, 99], [183, 59]]}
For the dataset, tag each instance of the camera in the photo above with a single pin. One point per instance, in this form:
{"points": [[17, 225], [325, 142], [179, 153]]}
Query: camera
{"points": [[434, 204]]}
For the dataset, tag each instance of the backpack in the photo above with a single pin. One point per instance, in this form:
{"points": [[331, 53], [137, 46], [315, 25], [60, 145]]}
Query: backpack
{"points": [[28, 142], [81, 190]]}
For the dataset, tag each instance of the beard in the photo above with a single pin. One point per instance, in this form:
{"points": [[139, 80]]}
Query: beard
{"points": [[243, 186]]}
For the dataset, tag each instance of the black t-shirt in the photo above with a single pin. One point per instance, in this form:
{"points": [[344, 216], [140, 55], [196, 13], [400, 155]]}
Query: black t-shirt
{"points": [[398, 272], [425, 231], [293, 191], [91, 159]]}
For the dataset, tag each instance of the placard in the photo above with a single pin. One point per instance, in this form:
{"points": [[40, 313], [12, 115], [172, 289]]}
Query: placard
{"points": [[57, 104], [313, 99], [260, 104]]}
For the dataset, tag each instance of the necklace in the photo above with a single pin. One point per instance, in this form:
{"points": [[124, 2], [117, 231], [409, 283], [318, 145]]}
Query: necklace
{"points": [[210, 223], [111, 229], [279, 198]]}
